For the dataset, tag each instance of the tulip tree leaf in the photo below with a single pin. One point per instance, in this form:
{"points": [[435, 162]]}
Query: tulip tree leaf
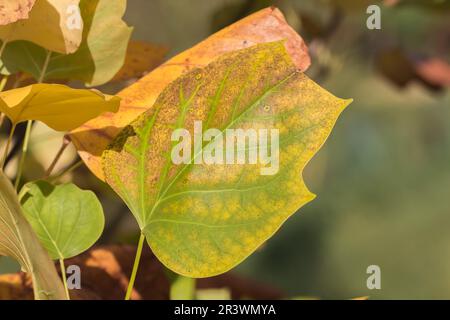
{"points": [[55, 25], [99, 57], [60, 107], [67, 220], [266, 25], [141, 57], [18, 241], [201, 220], [14, 10]]}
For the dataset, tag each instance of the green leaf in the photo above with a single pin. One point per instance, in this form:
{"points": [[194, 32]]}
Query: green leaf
{"points": [[60, 107], [201, 220], [55, 25], [182, 288], [99, 57], [213, 294], [67, 220], [18, 241]]}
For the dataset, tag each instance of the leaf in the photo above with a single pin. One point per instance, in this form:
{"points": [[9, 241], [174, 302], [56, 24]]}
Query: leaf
{"points": [[213, 294], [202, 220], [99, 57], [19, 241], [182, 288], [67, 220], [58, 106], [141, 57], [13, 10], [53, 24], [263, 26], [106, 270]]}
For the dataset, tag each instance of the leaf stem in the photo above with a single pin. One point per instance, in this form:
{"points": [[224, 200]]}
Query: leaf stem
{"points": [[135, 267], [66, 141], [24, 152], [5, 154], [66, 171], [2, 48], [64, 278]]}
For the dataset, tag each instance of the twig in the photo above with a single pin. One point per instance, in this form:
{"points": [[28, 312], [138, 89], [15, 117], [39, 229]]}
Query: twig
{"points": [[66, 141]]}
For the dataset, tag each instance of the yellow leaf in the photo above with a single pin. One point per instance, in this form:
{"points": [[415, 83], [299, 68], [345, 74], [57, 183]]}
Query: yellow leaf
{"points": [[53, 24], [263, 26], [13, 10], [60, 107]]}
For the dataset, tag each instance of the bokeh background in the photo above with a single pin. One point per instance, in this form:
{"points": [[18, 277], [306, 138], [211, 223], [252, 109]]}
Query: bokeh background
{"points": [[382, 178]]}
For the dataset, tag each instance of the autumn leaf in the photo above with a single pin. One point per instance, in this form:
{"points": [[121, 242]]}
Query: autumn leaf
{"points": [[201, 220], [67, 220], [263, 26], [18, 241], [13, 10], [141, 57], [53, 24], [60, 107], [99, 57]]}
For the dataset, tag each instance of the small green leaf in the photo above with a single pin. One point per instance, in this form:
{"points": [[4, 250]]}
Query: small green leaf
{"points": [[67, 220], [18, 241], [99, 57]]}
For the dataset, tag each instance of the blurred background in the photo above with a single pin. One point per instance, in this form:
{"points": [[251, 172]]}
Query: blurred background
{"points": [[382, 178]]}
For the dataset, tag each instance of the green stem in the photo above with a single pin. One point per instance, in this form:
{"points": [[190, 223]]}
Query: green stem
{"points": [[52, 166], [5, 154], [24, 152], [64, 278], [135, 267]]}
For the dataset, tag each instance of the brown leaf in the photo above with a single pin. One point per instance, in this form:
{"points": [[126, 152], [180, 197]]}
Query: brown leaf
{"points": [[267, 25], [13, 10], [141, 57]]}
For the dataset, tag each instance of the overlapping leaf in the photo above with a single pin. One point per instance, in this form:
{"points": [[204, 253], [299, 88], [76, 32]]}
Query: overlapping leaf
{"points": [[100, 55], [67, 220], [201, 220], [263, 26], [18, 240], [60, 107], [13, 10], [141, 57], [52, 24]]}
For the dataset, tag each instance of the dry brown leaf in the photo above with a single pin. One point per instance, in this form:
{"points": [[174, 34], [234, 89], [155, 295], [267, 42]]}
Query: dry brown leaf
{"points": [[266, 25], [11, 11]]}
